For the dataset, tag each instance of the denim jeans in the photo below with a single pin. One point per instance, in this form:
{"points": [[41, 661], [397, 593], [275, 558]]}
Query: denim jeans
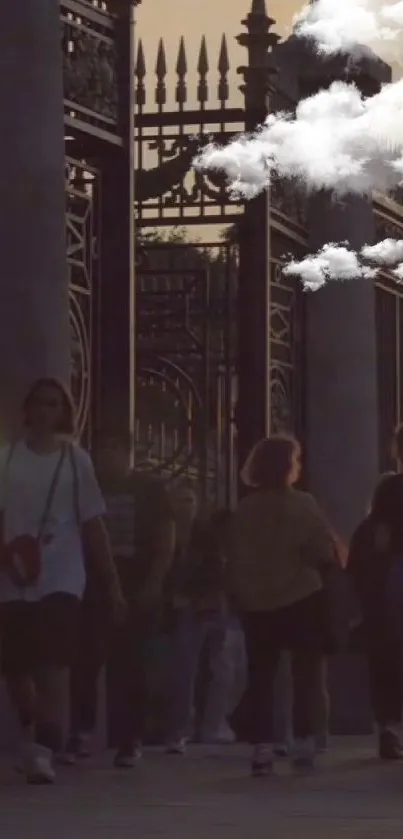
{"points": [[284, 699], [191, 634]]}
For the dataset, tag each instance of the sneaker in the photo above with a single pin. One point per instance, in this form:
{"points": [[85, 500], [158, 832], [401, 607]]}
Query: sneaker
{"points": [[77, 748], [390, 747], [176, 747], [281, 750], [222, 736], [322, 743], [262, 760], [128, 758], [304, 753], [39, 769], [24, 750]]}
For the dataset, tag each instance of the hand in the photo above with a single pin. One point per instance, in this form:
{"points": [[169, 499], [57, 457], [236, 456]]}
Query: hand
{"points": [[150, 595], [119, 607]]}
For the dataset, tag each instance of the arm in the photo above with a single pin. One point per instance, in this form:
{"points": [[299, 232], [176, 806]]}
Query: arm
{"points": [[163, 553], [91, 510], [161, 540], [100, 558], [320, 547]]}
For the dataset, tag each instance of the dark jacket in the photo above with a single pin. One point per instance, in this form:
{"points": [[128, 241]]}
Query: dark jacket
{"points": [[369, 566]]}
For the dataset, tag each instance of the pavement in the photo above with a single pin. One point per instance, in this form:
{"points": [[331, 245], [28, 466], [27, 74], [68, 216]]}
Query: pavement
{"points": [[209, 795]]}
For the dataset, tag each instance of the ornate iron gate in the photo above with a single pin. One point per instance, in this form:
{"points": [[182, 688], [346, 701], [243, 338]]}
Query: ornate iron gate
{"points": [[188, 315], [82, 234], [389, 325], [186, 365]]}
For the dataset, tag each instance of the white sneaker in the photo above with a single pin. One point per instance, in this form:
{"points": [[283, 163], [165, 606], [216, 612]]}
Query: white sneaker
{"points": [[304, 753], [262, 760], [77, 748], [128, 758], [24, 754], [222, 736], [39, 768], [176, 747]]}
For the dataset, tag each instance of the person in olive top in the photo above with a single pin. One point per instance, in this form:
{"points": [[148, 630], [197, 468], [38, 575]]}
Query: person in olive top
{"points": [[142, 534], [280, 547]]}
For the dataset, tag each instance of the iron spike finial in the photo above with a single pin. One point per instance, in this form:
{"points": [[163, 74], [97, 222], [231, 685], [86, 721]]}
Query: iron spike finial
{"points": [[202, 69], [202, 64], [161, 71], [181, 72], [223, 61], [161, 63], [223, 69], [181, 64], [258, 7], [140, 62]]}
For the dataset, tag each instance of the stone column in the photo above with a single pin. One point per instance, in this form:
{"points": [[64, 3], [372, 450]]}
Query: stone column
{"points": [[34, 316], [341, 388], [253, 410], [341, 353], [117, 354]]}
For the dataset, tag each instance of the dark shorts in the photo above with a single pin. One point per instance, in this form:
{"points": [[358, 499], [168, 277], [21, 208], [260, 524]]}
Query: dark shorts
{"points": [[39, 635]]}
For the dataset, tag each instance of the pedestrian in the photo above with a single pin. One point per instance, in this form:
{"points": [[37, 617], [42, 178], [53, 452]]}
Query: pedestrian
{"points": [[281, 548], [141, 524], [223, 666], [196, 597], [375, 553], [43, 573]]}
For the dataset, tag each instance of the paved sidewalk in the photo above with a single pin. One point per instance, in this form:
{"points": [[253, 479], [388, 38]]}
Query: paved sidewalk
{"points": [[208, 795]]}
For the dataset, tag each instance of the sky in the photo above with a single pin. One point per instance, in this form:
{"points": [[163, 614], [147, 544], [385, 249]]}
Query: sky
{"points": [[194, 18]]}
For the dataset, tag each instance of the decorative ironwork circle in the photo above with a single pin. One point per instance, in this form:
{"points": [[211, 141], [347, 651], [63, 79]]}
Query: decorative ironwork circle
{"points": [[168, 418], [80, 364]]}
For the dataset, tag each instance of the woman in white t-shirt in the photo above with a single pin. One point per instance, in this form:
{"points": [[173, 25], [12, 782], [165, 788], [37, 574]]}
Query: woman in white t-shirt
{"points": [[50, 502]]}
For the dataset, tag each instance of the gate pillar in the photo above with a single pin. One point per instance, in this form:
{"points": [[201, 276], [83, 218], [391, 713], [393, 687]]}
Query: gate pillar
{"points": [[253, 411], [34, 313], [341, 350], [115, 399]]}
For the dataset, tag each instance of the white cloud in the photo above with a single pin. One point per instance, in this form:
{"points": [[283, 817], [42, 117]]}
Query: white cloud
{"points": [[332, 262], [349, 26], [388, 252], [398, 273], [338, 140]]}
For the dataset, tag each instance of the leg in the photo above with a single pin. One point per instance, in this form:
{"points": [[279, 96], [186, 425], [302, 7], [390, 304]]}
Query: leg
{"points": [[220, 651], [130, 674], [323, 710], [283, 701], [52, 686], [386, 694], [16, 651], [55, 628], [307, 677], [187, 642], [84, 678], [263, 659]]}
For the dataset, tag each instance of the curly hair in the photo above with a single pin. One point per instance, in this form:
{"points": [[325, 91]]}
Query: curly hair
{"points": [[268, 464]]}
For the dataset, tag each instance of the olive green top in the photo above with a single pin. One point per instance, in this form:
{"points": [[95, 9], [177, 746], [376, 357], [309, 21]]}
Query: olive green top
{"points": [[279, 539]]}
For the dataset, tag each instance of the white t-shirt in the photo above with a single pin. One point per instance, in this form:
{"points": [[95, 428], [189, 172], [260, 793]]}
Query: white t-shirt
{"points": [[25, 480]]}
